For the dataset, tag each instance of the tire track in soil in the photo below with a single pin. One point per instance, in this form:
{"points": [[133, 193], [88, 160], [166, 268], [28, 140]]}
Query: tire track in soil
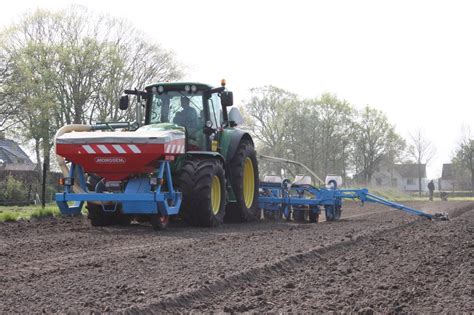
{"points": [[67, 259], [116, 276], [199, 298], [83, 258], [79, 257]]}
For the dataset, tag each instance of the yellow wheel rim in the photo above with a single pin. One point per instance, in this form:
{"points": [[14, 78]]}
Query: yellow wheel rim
{"points": [[249, 182], [215, 195]]}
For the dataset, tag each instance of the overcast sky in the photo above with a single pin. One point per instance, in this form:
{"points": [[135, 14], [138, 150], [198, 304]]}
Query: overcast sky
{"points": [[412, 59]]}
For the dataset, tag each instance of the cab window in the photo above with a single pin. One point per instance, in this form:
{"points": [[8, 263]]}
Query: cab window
{"points": [[215, 111]]}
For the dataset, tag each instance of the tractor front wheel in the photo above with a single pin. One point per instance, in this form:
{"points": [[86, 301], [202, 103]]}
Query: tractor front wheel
{"points": [[244, 180], [202, 183]]}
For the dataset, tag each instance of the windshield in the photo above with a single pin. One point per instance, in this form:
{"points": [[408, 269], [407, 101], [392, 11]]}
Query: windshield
{"points": [[180, 108]]}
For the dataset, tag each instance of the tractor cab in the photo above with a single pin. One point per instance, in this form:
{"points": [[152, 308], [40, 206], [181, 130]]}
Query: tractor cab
{"points": [[197, 108]]}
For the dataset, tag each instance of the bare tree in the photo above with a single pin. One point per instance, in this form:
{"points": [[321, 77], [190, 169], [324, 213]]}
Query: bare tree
{"points": [[464, 155], [316, 132], [270, 109], [375, 139], [422, 150]]}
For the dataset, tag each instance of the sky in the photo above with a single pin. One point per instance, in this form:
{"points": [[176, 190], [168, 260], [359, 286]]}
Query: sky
{"points": [[414, 60]]}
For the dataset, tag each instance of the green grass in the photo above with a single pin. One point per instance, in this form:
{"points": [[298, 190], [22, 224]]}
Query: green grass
{"points": [[12, 213]]}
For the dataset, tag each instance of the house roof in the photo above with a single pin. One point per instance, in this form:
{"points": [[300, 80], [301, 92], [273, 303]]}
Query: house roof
{"points": [[10, 151], [410, 170], [448, 171], [19, 167]]}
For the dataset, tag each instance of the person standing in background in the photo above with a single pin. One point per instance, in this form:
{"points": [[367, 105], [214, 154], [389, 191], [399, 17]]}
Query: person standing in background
{"points": [[431, 188]]}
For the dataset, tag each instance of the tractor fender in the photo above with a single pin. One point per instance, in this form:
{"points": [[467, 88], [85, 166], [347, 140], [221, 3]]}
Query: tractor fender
{"points": [[235, 136], [212, 154]]}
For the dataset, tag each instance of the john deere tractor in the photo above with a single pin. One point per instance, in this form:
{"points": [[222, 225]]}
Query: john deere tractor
{"points": [[185, 157]]}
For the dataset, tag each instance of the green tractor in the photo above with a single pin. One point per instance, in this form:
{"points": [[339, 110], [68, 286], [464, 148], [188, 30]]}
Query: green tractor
{"points": [[217, 172]]}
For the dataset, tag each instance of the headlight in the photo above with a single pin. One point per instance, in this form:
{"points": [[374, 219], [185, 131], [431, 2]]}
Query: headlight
{"points": [[161, 89], [194, 88], [187, 88]]}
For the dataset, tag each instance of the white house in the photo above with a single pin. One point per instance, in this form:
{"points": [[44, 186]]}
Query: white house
{"points": [[452, 179], [404, 177]]}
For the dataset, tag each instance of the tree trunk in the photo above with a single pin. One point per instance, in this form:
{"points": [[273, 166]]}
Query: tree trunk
{"points": [[472, 181], [43, 185], [38, 159], [419, 179]]}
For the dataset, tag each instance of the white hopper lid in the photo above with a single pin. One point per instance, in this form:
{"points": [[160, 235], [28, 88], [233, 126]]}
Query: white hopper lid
{"points": [[139, 136]]}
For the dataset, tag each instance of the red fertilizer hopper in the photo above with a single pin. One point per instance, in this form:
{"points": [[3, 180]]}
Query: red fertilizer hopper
{"points": [[118, 155]]}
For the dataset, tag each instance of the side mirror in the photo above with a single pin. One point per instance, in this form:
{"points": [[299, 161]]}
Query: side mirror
{"points": [[235, 117], [123, 105], [227, 98]]}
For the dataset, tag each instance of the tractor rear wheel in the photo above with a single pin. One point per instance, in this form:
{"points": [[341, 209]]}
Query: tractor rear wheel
{"points": [[202, 183], [243, 170]]}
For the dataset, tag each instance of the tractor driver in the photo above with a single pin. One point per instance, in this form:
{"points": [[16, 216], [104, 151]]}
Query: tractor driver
{"points": [[187, 117]]}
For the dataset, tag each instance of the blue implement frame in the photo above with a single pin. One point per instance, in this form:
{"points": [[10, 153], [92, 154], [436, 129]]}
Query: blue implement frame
{"points": [[137, 198], [284, 196]]}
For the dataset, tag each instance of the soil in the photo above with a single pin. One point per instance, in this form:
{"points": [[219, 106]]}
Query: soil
{"points": [[375, 259]]}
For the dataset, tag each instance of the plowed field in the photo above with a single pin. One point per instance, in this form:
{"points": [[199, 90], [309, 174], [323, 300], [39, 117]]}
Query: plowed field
{"points": [[374, 259]]}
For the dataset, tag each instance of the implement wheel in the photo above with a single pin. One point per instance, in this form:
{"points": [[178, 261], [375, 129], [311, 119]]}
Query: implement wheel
{"points": [[299, 214], [313, 217], [98, 216], [202, 183], [244, 180], [272, 215], [337, 212], [330, 213], [333, 213], [159, 222]]}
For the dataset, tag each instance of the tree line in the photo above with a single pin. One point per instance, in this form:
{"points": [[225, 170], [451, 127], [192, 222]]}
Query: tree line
{"points": [[327, 134], [331, 136], [70, 67]]}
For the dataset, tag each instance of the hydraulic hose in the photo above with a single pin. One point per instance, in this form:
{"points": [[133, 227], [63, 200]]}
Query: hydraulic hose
{"points": [[280, 160], [61, 162]]}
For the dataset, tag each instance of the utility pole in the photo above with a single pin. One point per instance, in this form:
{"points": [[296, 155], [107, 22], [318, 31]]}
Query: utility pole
{"points": [[43, 188]]}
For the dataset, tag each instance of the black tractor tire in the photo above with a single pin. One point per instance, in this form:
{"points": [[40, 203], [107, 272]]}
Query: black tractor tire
{"points": [[299, 214], [197, 179], [98, 216], [244, 209]]}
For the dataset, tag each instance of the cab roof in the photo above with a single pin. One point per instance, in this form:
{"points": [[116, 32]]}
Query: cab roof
{"points": [[180, 85]]}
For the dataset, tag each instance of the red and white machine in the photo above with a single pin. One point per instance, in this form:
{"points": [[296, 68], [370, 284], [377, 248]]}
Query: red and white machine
{"points": [[121, 154]]}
